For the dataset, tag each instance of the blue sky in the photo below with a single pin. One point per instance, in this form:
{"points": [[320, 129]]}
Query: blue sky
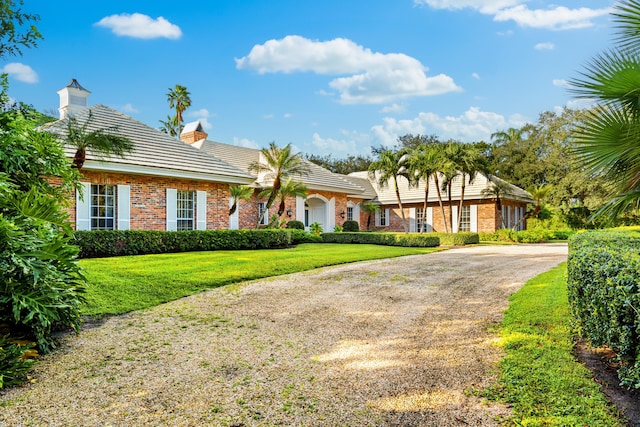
{"points": [[330, 77]]}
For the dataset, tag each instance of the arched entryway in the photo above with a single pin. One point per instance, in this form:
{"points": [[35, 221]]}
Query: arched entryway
{"points": [[315, 210]]}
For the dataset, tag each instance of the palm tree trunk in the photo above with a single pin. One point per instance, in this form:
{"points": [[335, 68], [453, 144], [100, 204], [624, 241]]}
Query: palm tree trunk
{"points": [[444, 218], [79, 158], [233, 208], [450, 202], [461, 202], [424, 209], [404, 221]]}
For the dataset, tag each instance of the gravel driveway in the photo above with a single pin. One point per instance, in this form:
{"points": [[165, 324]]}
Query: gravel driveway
{"points": [[397, 342]]}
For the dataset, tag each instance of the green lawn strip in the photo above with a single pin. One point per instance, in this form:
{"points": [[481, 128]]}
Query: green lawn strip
{"points": [[540, 378], [122, 284]]}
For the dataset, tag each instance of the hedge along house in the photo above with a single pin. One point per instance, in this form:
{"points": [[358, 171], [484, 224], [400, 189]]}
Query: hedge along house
{"points": [[163, 184], [480, 212], [328, 197]]}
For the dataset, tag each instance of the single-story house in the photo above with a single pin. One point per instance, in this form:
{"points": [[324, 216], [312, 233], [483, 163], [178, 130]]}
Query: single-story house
{"points": [[170, 184]]}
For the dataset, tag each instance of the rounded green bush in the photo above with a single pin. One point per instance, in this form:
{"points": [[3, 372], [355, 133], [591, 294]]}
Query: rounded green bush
{"points": [[295, 224], [351, 226]]}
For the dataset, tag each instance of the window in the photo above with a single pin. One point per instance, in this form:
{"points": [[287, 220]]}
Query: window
{"points": [[465, 222], [420, 226], [185, 202], [103, 207], [384, 221], [349, 213], [261, 208]]}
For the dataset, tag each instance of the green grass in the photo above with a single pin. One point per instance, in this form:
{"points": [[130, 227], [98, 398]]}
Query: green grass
{"points": [[540, 378], [123, 284]]}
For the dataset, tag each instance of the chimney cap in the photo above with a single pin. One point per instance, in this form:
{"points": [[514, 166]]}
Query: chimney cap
{"points": [[75, 85]]}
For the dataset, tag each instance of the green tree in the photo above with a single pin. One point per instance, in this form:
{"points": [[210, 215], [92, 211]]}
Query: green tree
{"points": [[102, 142], [453, 153], [278, 166], [470, 162], [170, 126], [351, 163], [17, 29], [608, 140], [290, 188], [237, 193], [370, 208], [389, 166], [498, 189], [179, 99], [425, 162]]}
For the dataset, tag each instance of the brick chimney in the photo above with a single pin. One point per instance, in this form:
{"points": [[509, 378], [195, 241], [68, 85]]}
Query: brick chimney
{"points": [[193, 132], [73, 98]]}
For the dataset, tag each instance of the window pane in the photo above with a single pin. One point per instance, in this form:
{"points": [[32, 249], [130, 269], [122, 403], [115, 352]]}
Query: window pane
{"points": [[103, 207]]}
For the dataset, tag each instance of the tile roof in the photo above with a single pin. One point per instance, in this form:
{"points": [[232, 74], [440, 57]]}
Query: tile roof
{"points": [[319, 178], [155, 152]]}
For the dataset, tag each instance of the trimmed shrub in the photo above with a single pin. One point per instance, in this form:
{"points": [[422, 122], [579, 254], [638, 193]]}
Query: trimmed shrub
{"points": [[604, 295], [350, 226], [109, 243], [457, 239], [301, 236], [389, 239], [295, 225]]}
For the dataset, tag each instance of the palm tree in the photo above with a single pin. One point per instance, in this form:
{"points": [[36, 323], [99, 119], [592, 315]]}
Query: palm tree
{"points": [[511, 135], [237, 193], [498, 189], [452, 153], [539, 194], [389, 166], [608, 139], [101, 142], [179, 99], [424, 163], [370, 208], [279, 165], [170, 126], [470, 163], [290, 188]]}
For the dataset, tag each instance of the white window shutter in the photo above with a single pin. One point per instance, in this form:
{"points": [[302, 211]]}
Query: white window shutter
{"points": [[201, 210], [234, 218], [356, 213], [83, 207], [299, 208], [429, 227], [172, 209], [331, 215], [377, 218], [455, 218], [474, 218], [387, 217], [412, 220], [124, 209]]}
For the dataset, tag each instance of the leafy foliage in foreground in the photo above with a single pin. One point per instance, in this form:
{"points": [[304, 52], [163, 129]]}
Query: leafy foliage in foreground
{"points": [[13, 364], [123, 284], [540, 377], [604, 293]]}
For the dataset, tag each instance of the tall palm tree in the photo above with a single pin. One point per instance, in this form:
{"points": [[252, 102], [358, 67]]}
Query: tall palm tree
{"points": [[452, 153], [424, 163], [608, 141], [498, 189], [179, 99], [470, 163], [237, 193], [101, 142], [170, 126], [390, 165], [511, 135], [290, 188], [279, 165], [370, 208]]}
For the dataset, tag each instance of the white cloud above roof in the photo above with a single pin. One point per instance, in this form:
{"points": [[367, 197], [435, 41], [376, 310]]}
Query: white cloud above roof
{"points": [[140, 26], [21, 72], [553, 18], [544, 46], [372, 77]]}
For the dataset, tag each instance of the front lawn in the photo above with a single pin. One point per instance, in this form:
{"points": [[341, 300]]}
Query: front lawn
{"points": [[123, 284]]}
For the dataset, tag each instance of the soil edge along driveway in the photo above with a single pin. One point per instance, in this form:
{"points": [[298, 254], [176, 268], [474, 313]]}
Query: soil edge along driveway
{"points": [[396, 342]]}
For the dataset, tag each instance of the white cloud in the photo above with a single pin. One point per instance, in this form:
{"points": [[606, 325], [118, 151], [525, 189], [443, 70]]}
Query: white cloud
{"points": [[393, 108], [473, 125], [140, 26], [544, 46], [129, 108], [556, 18], [21, 72], [203, 115], [371, 77], [287, 115], [475, 76], [269, 116], [560, 83], [337, 147], [244, 142]]}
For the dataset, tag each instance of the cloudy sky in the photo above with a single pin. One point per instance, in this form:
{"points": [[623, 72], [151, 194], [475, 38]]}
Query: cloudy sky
{"points": [[330, 77]]}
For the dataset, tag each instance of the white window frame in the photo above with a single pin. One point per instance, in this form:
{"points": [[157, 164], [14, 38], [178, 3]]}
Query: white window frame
{"points": [[185, 210], [261, 207], [103, 207], [382, 217], [465, 219]]}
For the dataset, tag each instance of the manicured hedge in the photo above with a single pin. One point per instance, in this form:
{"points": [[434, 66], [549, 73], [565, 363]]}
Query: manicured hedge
{"points": [[108, 243], [604, 295], [526, 236], [457, 239], [351, 226], [301, 236], [389, 239]]}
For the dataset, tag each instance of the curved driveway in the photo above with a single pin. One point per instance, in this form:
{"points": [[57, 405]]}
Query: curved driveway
{"points": [[397, 342]]}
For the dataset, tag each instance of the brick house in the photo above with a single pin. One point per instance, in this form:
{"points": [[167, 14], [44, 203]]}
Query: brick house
{"points": [[170, 184]]}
